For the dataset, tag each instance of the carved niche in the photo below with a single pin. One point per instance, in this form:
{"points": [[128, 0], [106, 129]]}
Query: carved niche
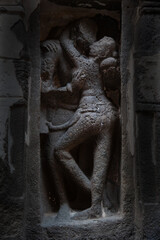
{"points": [[80, 124]]}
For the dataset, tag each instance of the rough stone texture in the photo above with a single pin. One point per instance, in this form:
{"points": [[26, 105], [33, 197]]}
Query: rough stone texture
{"points": [[146, 60], [127, 108], [23, 201], [95, 116], [112, 228], [12, 127], [32, 200]]}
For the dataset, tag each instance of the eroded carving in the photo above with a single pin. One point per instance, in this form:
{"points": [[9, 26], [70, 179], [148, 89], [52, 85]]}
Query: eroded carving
{"points": [[91, 62]]}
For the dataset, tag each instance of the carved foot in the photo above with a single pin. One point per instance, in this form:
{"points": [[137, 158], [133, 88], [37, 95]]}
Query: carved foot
{"points": [[90, 213], [63, 213]]}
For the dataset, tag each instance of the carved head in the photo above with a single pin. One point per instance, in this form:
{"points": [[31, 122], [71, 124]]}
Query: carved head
{"points": [[50, 52], [103, 48]]}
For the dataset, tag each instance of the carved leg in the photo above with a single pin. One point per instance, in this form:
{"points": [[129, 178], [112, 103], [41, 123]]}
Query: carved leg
{"points": [[71, 138], [64, 211], [101, 162], [67, 161]]}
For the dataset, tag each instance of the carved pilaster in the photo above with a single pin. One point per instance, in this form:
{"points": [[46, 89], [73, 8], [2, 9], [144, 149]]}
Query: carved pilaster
{"points": [[149, 7], [147, 99], [146, 53], [12, 119]]}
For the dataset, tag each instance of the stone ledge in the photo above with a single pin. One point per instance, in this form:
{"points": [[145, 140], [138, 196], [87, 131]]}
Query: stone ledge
{"points": [[99, 4]]}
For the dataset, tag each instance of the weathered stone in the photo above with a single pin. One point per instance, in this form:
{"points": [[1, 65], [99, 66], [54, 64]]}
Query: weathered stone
{"points": [[9, 86], [42, 195], [7, 38]]}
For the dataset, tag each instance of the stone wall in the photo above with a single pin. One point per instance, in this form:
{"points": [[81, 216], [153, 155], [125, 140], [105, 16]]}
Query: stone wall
{"points": [[27, 207]]}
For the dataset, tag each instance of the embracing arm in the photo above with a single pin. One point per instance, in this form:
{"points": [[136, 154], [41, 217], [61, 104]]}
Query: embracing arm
{"points": [[51, 89], [78, 81]]}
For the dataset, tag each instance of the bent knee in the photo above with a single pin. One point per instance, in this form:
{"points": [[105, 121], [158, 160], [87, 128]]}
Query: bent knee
{"points": [[60, 152], [57, 152]]}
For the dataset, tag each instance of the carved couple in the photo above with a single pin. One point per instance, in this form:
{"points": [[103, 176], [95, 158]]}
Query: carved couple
{"points": [[95, 115]]}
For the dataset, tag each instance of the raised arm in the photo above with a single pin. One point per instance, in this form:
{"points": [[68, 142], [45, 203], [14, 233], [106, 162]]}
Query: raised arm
{"points": [[69, 48]]}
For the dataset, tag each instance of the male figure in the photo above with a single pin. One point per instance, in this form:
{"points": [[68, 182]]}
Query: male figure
{"points": [[52, 60]]}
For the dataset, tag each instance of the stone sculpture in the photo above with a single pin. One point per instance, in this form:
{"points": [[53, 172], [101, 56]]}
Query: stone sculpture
{"points": [[58, 107], [95, 116]]}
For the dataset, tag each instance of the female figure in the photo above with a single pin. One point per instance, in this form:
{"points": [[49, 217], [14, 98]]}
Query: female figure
{"points": [[95, 116]]}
